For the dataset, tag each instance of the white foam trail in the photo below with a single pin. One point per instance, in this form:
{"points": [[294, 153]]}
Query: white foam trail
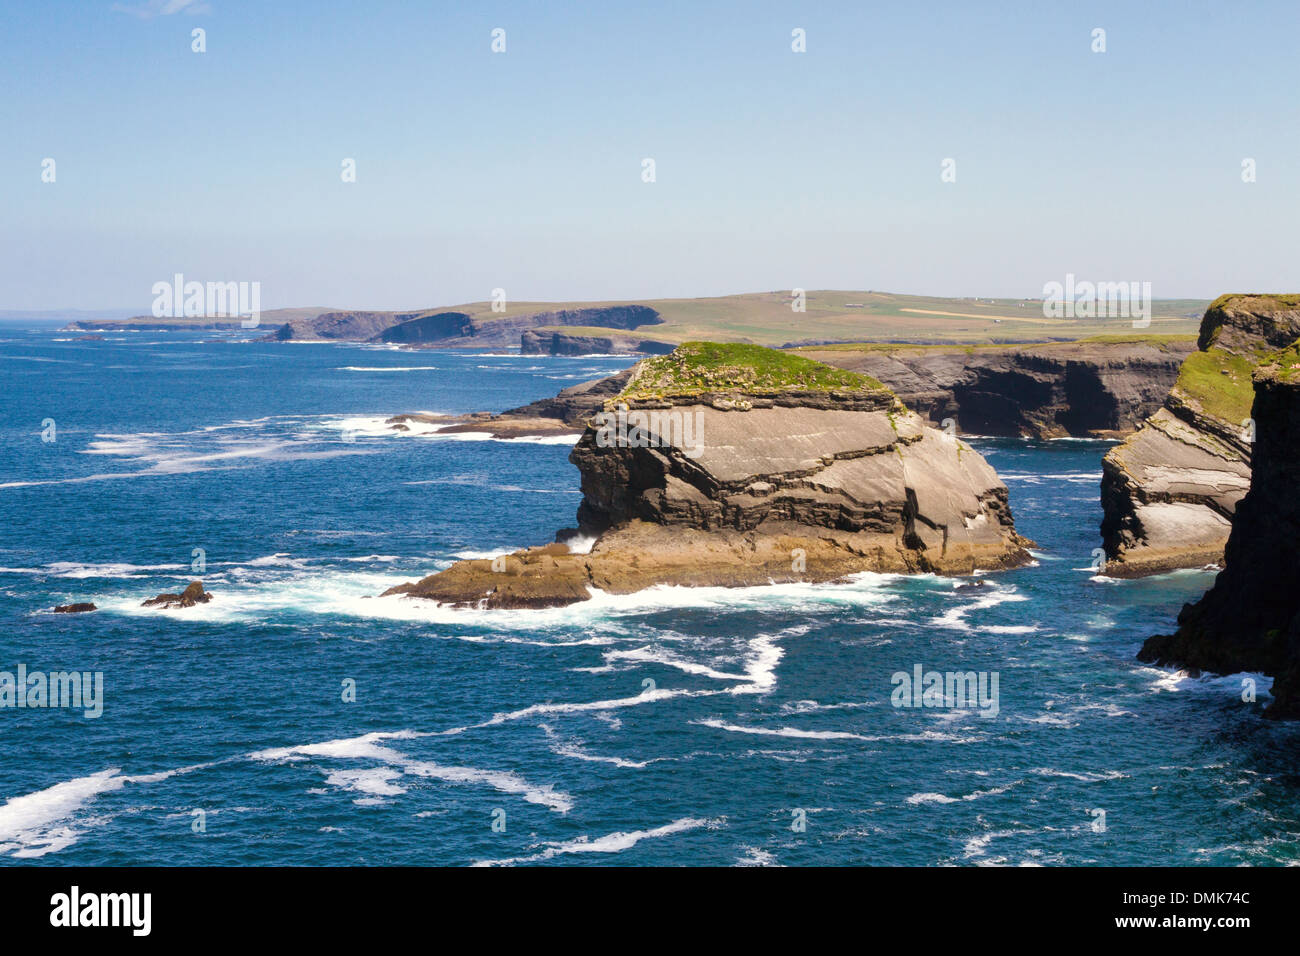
{"points": [[366, 746], [34, 824], [956, 617], [30, 824], [1085, 777], [798, 733], [610, 843], [73, 569], [503, 781], [370, 747], [571, 750], [919, 798]]}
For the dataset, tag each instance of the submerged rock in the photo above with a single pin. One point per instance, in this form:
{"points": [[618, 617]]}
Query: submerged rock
{"points": [[1170, 491], [1250, 619], [192, 595], [738, 465]]}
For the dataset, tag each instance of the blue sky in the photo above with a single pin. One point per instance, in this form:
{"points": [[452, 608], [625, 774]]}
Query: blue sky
{"points": [[522, 170]]}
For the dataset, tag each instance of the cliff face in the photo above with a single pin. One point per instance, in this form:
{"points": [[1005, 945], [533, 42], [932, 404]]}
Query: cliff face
{"points": [[1086, 388], [449, 329], [753, 485], [1250, 619], [550, 342], [1170, 491]]}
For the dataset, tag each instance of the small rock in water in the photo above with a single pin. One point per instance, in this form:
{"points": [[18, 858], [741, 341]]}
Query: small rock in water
{"points": [[75, 608], [192, 595]]}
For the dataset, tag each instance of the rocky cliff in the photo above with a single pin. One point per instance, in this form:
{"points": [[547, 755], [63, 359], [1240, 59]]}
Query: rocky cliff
{"points": [[738, 465], [555, 342], [1170, 491], [1100, 387], [1250, 619], [454, 329]]}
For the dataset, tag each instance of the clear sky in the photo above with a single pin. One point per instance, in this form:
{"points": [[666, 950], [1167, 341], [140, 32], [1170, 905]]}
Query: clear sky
{"points": [[523, 170]]}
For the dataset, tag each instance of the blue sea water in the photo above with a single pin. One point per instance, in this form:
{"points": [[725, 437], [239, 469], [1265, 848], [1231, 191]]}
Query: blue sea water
{"points": [[676, 726]]}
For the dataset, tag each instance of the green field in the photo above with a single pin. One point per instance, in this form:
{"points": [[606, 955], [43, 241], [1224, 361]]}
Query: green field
{"points": [[766, 318]]}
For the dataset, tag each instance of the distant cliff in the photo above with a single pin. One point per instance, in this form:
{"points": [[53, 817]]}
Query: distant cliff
{"points": [[1100, 388], [734, 465], [555, 342], [452, 329], [1074, 388], [1250, 619], [1169, 492]]}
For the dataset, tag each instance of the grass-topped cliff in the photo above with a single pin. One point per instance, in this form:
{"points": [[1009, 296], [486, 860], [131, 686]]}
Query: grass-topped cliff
{"points": [[1219, 383], [698, 368]]}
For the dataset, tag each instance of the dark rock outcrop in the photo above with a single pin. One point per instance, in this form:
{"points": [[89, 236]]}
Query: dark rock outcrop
{"points": [[1250, 619], [552, 342], [75, 608], [1170, 491], [754, 486], [1097, 389], [192, 595], [564, 414]]}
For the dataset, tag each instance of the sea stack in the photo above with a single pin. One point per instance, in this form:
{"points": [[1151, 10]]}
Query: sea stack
{"points": [[1170, 491], [736, 465], [1250, 619]]}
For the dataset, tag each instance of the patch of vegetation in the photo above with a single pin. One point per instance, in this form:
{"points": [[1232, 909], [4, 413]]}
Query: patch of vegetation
{"points": [[1218, 381], [1264, 301], [1159, 340], [698, 367], [1288, 362]]}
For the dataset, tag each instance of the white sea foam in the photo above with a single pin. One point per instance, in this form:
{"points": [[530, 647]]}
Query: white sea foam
{"points": [[754, 856], [830, 734], [1170, 680], [73, 569], [46, 821], [34, 824], [955, 618], [387, 368], [610, 843], [503, 781], [378, 781]]}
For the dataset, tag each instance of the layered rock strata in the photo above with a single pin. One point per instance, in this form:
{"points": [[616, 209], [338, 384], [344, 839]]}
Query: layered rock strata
{"points": [[752, 485], [1250, 619], [1170, 491]]}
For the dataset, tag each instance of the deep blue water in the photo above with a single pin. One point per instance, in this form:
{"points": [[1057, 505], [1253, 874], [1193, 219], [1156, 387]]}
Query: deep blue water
{"points": [[768, 705]]}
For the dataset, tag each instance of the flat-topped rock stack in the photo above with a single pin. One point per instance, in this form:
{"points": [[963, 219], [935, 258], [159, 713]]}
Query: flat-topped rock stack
{"points": [[734, 465]]}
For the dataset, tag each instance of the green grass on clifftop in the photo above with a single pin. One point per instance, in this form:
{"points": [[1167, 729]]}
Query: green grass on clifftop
{"points": [[1219, 382], [1258, 301], [698, 367], [1287, 361]]}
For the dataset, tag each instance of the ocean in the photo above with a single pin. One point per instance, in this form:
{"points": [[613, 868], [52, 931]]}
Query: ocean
{"points": [[300, 719]]}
